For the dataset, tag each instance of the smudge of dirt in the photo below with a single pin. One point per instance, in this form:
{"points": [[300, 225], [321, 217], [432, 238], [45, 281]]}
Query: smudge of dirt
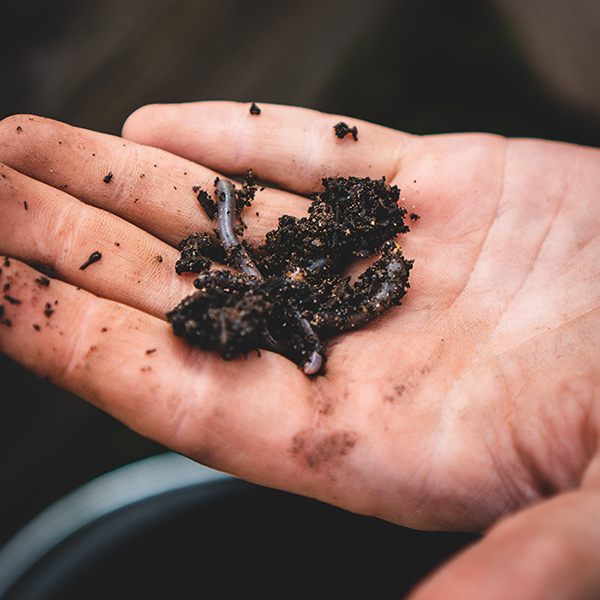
{"points": [[4, 320], [320, 450], [397, 392], [89, 356], [46, 270], [43, 281]]}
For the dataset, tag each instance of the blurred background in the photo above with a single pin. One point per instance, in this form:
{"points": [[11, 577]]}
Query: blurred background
{"points": [[512, 67]]}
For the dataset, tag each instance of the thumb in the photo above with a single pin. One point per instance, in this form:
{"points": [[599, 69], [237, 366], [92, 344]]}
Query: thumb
{"points": [[548, 551]]}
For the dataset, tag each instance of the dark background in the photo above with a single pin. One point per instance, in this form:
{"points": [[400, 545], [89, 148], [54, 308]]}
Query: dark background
{"points": [[424, 66]]}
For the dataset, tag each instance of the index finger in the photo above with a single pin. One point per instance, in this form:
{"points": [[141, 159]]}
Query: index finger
{"points": [[150, 188], [289, 146]]}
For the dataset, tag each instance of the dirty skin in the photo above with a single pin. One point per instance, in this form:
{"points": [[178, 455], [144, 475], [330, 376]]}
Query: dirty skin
{"points": [[14, 282], [290, 295], [318, 450]]}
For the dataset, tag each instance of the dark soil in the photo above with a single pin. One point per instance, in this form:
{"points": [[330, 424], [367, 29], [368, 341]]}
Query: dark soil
{"points": [[94, 257], [342, 130], [302, 297]]}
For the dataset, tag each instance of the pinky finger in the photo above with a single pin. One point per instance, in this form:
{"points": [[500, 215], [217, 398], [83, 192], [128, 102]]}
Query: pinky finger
{"points": [[236, 415], [86, 344]]}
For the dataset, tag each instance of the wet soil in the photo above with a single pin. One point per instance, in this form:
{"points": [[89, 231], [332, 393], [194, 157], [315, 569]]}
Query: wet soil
{"points": [[301, 297]]}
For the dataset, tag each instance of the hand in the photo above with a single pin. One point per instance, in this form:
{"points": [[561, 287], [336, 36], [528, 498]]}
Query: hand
{"points": [[474, 403]]}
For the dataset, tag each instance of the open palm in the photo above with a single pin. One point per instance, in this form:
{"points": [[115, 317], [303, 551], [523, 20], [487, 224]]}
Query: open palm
{"points": [[478, 396]]}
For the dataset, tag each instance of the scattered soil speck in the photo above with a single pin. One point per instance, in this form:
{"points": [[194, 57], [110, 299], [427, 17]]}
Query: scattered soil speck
{"points": [[25, 204], [414, 216], [19, 129], [151, 351], [48, 310], [11, 300], [108, 178], [43, 280], [94, 257], [254, 110]]}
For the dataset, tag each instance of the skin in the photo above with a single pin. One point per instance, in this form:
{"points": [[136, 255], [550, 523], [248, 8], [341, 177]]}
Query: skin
{"points": [[474, 405]]}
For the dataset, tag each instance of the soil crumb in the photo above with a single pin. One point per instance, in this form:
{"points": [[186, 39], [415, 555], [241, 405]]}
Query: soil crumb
{"points": [[254, 110], [94, 257], [342, 130]]}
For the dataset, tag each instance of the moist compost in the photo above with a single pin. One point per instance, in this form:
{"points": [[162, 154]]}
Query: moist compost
{"points": [[290, 294]]}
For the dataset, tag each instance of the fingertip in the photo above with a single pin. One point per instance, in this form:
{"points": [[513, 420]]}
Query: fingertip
{"points": [[139, 124], [291, 147]]}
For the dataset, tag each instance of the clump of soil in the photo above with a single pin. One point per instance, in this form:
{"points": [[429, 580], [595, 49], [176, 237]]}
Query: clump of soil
{"points": [[342, 130], [291, 294]]}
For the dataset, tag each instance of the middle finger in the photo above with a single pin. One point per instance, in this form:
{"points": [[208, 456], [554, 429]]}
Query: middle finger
{"points": [[43, 225]]}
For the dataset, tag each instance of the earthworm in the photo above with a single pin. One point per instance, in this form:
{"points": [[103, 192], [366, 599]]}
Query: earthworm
{"points": [[318, 263], [392, 286], [314, 364], [226, 220]]}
